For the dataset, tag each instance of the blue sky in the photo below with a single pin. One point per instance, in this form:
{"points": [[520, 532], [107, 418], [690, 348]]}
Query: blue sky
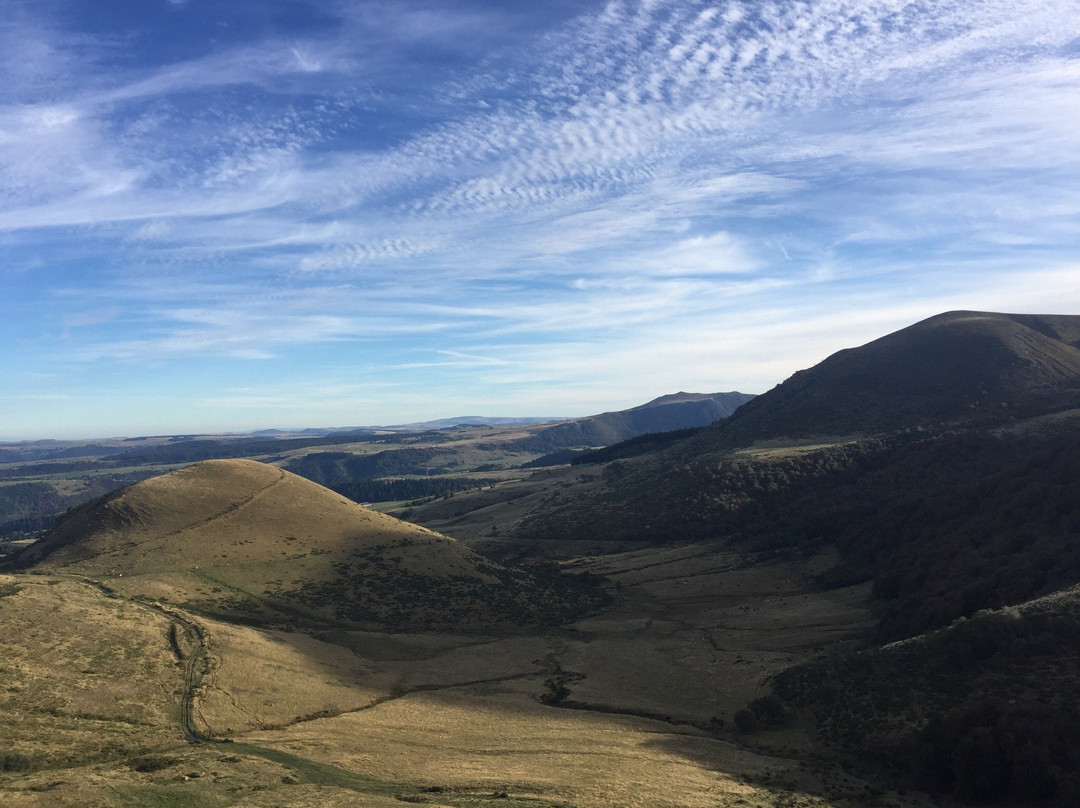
{"points": [[247, 214]]}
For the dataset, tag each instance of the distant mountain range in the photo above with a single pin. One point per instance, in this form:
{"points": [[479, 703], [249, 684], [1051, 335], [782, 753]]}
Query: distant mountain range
{"points": [[663, 414]]}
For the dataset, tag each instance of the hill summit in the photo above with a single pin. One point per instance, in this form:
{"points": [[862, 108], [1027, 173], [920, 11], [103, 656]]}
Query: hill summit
{"points": [[244, 539], [960, 366]]}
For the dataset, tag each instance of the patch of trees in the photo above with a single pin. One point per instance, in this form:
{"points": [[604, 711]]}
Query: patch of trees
{"points": [[768, 711], [962, 523], [15, 762], [1006, 753], [45, 450], [984, 710], [666, 498], [411, 488], [28, 507], [336, 468], [635, 447], [48, 467], [945, 525]]}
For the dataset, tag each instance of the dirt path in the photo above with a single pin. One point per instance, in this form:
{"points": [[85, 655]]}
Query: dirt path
{"points": [[188, 640]]}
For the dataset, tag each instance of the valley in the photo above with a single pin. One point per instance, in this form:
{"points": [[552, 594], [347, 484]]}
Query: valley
{"points": [[857, 589], [566, 717]]}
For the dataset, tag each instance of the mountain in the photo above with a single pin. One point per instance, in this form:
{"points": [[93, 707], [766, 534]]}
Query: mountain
{"points": [[943, 521], [664, 414], [957, 367], [246, 540]]}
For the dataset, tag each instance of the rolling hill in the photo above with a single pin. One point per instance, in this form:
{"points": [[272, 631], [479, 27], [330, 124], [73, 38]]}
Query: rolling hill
{"points": [[956, 367], [245, 540]]}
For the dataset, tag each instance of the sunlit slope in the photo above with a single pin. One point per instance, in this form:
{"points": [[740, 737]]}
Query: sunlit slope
{"points": [[244, 539], [82, 675]]}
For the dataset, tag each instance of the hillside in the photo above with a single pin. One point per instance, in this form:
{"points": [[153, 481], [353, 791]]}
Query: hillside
{"points": [[246, 540], [675, 411], [944, 520], [737, 661], [984, 710], [961, 366]]}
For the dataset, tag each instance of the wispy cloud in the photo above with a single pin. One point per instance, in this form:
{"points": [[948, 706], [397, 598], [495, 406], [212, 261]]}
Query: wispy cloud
{"points": [[386, 181]]}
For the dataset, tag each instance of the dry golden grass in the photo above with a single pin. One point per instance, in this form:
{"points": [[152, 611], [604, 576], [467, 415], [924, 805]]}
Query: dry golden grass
{"points": [[361, 717], [260, 679], [464, 713], [214, 776], [246, 540], [82, 675], [507, 742], [409, 712], [232, 513]]}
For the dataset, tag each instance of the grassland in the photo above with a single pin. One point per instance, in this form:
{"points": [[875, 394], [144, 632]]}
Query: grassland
{"points": [[322, 654], [631, 707], [251, 542]]}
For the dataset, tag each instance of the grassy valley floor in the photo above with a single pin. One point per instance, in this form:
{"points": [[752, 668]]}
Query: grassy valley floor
{"points": [[630, 707]]}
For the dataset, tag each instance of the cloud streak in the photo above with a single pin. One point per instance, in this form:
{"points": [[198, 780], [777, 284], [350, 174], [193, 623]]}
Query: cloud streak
{"points": [[383, 182]]}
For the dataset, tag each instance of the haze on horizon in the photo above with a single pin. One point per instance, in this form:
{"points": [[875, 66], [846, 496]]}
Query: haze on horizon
{"points": [[239, 215]]}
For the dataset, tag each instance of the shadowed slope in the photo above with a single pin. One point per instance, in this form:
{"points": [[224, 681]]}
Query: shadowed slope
{"points": [[675, 411], [958, 366], [985, 709], [241, 538]]}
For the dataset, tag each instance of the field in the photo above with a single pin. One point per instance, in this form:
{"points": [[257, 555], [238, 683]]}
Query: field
{"points": [[629, 707]]}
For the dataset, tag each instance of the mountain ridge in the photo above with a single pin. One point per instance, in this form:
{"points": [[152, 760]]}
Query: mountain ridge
{"points": [[663, 414], [958, 366]]}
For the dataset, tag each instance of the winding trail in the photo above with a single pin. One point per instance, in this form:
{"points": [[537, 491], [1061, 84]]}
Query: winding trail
{"points": [[196, 665], [195, 658]]}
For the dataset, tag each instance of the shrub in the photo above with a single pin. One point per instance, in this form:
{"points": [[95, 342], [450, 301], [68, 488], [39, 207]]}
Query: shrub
{"points": [[14, 762], [746, 722]]}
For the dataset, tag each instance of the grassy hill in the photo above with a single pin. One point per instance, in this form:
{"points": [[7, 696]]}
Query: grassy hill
{"points": [[746, 566], [957, 367], [250, 541]]}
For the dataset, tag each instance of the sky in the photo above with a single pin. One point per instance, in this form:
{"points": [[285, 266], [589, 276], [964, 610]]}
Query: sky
{"points": [[239, 215]]}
